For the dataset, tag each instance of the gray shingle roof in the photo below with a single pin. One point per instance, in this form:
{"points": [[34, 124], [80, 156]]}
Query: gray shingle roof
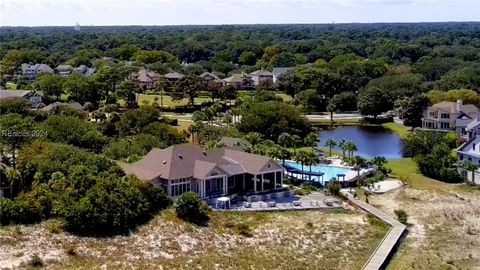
{"points": [[190, 160]]}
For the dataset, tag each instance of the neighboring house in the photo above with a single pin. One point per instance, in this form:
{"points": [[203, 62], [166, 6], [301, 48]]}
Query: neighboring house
{"points": [[280, 72], [209, 173], [235, 143], [51, 107], [261, 76], [473, 129], [450, 116], [470, 151], [64, 70], [32, 71], [173, 77], [146, 78], [84, 70], [240, 81], [212, 79], [35, 97]]}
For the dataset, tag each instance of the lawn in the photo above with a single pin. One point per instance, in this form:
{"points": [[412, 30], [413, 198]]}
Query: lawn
{"points": [[11, 86], [406, 170], [167, 100], [337, 239], [399, 128]]}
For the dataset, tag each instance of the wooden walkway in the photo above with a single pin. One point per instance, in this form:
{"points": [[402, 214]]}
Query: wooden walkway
{"points": [[380, 255]]}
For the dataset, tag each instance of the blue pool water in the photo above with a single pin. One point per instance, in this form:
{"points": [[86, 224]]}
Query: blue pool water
{"points": [[329, 171]]}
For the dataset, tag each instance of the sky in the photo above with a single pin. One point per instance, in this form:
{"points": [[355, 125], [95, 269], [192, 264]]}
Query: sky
{"points": [[187, 12]]}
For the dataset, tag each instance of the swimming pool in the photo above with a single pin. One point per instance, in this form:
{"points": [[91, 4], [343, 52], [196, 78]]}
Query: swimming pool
{"points": [[328, 170]]}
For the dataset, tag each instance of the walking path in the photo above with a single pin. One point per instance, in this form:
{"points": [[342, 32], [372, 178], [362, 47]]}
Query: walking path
{"points": [[380, 255]]}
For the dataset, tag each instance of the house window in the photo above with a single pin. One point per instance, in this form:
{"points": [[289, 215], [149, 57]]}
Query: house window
{"points": [[473, 146], [180, 186], [444, 125], [444, 115]]}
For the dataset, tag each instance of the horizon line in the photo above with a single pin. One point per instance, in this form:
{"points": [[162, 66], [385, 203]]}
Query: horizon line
{"points": [[241, 24]]}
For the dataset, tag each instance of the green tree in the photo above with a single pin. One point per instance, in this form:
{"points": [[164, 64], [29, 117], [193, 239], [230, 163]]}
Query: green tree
{"points": [[311, 140], [341, 145], [272, 118], [129, 91], [253, 138], [411, 110], [15, 105], [188, 87], [74, 131], [15, 131], [374, 101], [285, 139], [51, 85], [470, 167], [330, 144], [247, 58], [302, 157]]}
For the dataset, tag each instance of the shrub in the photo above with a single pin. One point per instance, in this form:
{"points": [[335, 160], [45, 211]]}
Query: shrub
{"points": [[18, 211], [401, 215], [191, 208], [114, 206], [244, 229], [334, 188]]}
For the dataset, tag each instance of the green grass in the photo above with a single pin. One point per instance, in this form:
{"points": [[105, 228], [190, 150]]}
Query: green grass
{"points": [[398, 128], [336, 122], [406, 170], [168, 102], [11, 86]]}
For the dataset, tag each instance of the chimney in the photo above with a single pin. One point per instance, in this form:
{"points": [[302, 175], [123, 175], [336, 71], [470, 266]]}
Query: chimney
{"points": [[459, 104]]}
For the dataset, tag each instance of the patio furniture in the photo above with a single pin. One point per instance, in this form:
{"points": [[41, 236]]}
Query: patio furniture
{"points": [[272, 204], [297, 203], [223, 201], [247, 204]]}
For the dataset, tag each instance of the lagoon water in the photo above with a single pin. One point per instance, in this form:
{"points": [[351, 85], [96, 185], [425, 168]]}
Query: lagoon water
{"points": [[371, 141]]}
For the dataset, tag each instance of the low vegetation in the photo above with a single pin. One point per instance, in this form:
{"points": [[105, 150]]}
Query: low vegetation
{"points": [[301, 240]]}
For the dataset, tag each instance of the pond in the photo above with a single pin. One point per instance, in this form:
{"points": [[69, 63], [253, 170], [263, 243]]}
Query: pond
{"points": [[371, 141]]}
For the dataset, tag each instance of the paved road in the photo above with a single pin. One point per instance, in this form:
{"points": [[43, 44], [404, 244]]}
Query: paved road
{"points": [[337, 116]]}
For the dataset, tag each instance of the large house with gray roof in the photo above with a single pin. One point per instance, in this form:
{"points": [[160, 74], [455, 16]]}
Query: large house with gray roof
{"points": [[32, 71], [35, 97], [209, 173]]}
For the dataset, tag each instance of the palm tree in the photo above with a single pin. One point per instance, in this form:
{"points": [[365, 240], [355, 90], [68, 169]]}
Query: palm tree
{"points": [[301, 157], [253, 138], [379, 161], [341, 145], [471, 167], [296, 140], [311, 159], [285, 139], [359, 162], [311, 140], [350, 147], [284, 154], [330, 144]]}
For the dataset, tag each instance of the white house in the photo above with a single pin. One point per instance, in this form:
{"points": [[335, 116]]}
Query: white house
{"points": [[470, 151]]}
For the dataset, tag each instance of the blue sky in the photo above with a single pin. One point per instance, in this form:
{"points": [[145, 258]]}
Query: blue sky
{"points": [[174, 12]]}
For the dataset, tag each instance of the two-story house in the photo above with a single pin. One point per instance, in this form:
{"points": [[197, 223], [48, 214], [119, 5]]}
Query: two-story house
{"points": [[35, 97], [146, 79], [470, 152], [32, 71], [240, 81], [212, 79], [450, 116], [261, 76]]}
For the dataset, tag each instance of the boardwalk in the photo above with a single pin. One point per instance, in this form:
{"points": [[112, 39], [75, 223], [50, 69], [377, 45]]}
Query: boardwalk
{"points": [[380, 255]]}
